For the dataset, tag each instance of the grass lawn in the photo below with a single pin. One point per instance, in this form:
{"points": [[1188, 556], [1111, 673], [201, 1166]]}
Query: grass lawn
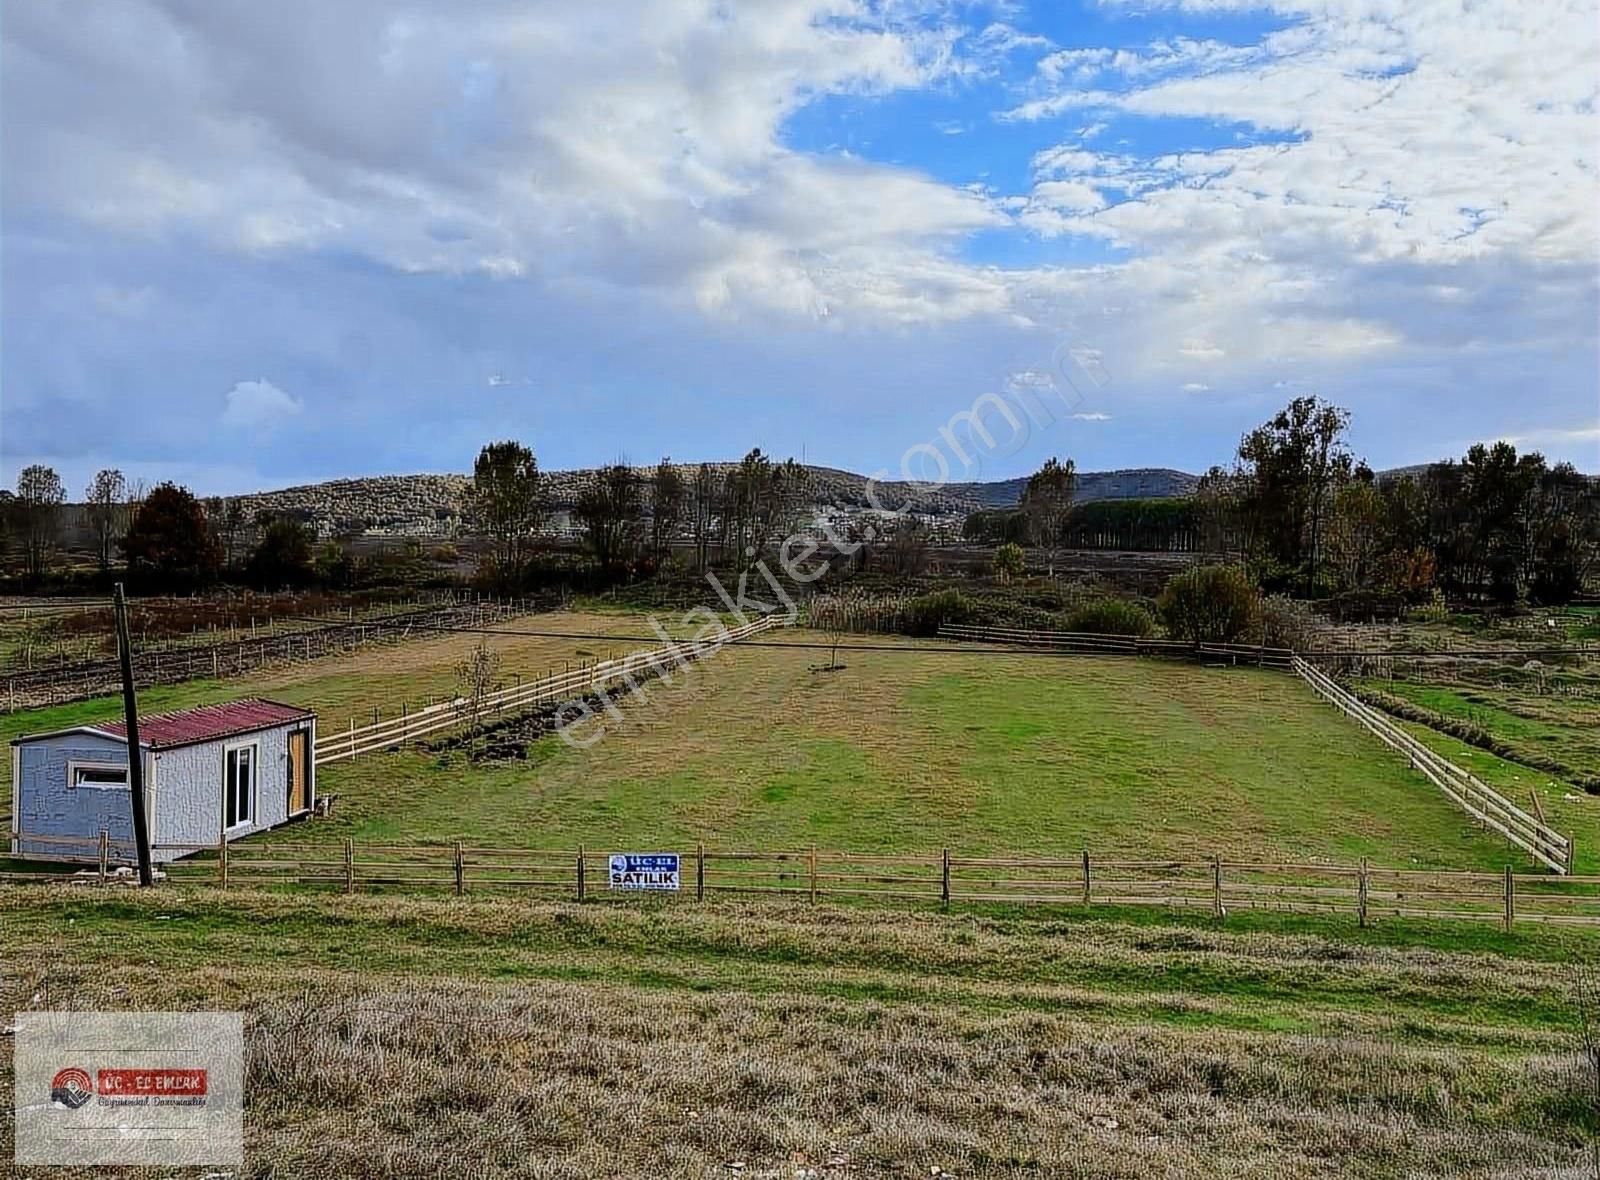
{"points": [[910, 749], [917, 750], [1562, 727], [558, 1040]]}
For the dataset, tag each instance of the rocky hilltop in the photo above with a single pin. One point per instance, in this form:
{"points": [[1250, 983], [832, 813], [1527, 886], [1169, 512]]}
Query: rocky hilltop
{"points": [[436, 505]]}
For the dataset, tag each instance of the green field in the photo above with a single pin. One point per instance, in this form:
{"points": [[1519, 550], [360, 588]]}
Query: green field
{"points": [[835, 1041], [554, 1040], [1533, 725], [910, 749]]}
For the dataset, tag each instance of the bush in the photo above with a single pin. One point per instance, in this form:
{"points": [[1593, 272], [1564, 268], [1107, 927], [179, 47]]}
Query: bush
{"points": [[1111, 616], [1287, 622], [1366, 606], [926, 613], [1211, 604], [1008, 561]]}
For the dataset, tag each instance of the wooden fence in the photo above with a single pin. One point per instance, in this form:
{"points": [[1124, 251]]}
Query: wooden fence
{"points": [[1088, 643], [38, 687], [1468, 792], [561, 687], [1215, 886]]}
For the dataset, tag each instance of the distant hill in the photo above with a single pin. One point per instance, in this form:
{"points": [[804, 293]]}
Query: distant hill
{"points": [[435, 505], [1133, 483]]}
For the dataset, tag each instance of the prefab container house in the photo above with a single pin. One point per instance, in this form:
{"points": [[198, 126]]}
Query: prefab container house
{"points": [[213, 773]]}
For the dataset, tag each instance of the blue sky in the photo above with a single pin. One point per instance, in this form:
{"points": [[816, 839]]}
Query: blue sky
{"points": [[242, 247]]}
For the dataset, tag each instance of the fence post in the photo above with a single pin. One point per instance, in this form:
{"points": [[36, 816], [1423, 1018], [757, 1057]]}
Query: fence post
{"points": [[811, 860], [461, 869], [105, 854], [1085, 876], [944, 883], [349, 865], [1361, 894], [1511, 899], [352, 737], [699, 872], [1216, 887], [581, 884], [222, 861]]}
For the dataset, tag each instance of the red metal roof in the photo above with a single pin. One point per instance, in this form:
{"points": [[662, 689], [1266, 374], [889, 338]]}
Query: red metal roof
{"points": [[185, 727]]}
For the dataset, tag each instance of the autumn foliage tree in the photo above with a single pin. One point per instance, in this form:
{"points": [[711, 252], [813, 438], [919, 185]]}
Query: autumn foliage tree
{"points": [[169, 544]]}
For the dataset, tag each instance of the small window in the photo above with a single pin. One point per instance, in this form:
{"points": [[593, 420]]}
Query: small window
{"points": [[96, 776], [239, 786]]}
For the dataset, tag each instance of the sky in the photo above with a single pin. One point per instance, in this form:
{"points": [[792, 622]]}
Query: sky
{"points": [[247, 245]]}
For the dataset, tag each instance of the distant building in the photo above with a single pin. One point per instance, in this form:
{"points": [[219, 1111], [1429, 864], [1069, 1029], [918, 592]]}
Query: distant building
{"points": [[213, 773]]}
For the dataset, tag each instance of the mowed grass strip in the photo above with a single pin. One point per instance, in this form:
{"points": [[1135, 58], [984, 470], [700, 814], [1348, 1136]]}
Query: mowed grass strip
{"points": [[553, 1039], [914, 750]]}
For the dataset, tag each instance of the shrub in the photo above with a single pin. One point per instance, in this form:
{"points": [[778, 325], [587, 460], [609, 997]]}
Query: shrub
{"points": [[926, 613], [1211, 604], [1366, 606], [1111, 616], [1008, 561], [1434, 610], [1287, 622]]}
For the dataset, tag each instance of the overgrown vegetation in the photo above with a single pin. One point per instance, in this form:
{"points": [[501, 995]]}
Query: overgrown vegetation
{"points": [[1211, 604], [385, 1034], [1111, 616]]}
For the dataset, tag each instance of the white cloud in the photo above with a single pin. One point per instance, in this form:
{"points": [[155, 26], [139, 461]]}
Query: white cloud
{"points": [[258, 405], [635, 144], [1094, 416], [1556, 436], [1195, 387]]}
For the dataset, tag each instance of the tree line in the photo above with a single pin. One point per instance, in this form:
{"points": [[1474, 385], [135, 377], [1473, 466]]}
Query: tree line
{"points": [[168, 539], [630, 519], [1302, 514]]}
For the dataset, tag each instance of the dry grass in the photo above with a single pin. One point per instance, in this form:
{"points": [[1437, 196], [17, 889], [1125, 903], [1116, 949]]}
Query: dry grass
{"points": [[389, 1036]]}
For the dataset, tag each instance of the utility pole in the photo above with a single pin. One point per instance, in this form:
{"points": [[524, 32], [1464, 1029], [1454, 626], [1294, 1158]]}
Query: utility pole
{"points": [[130, 707]]}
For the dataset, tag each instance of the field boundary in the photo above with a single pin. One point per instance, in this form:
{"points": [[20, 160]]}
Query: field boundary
{"points": [[1468, 792], [45, 686], [555, 689], [1095, 644], [1215, 886]]}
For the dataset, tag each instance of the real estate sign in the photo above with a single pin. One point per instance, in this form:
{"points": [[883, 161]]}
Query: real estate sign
{"points": [[644, 870]]}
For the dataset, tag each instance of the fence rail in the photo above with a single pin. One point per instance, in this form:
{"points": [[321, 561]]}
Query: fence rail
{"points": [[561, 687], [1216, 886], [1089, 643], [1468, 792], [42, 686]]}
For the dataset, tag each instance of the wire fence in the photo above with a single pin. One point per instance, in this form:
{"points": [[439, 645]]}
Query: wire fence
{"points": [[1216, 886], [1095, 644]]}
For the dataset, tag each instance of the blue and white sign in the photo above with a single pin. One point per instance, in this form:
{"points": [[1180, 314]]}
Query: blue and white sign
{"points": [[644, 870]]}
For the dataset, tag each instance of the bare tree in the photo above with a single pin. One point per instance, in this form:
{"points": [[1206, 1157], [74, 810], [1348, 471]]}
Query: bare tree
{"points": [[908, 546], [608, 508], [38, 512], [668, 496], [107, 511], [476, 675], [226, 516], [705, 508]]}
